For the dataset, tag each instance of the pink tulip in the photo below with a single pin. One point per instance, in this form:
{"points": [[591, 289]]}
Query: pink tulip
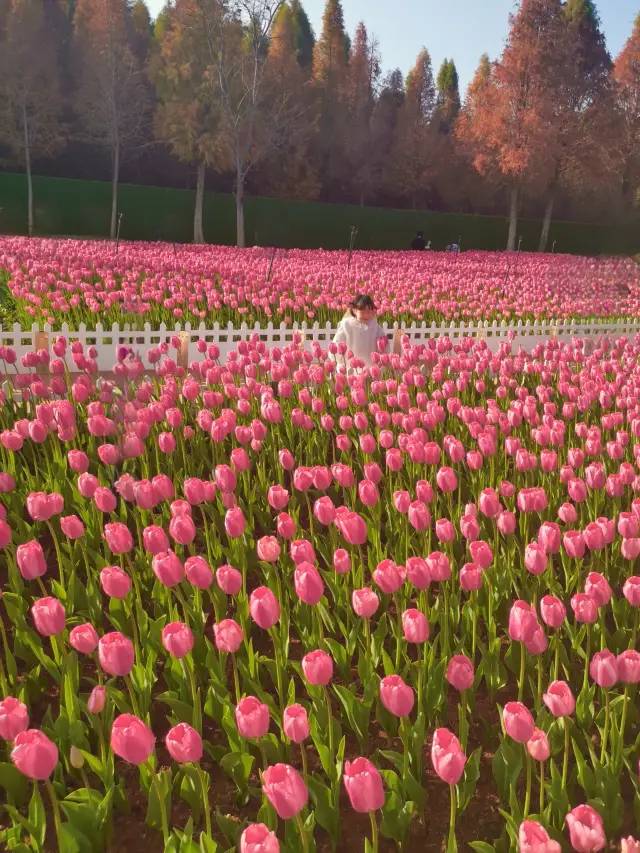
{"points": [[30, 560], [14, 718], [115, 582], [252, 717], [598, 588], [317, 668], [538, 746], [341, 562], [118, 537], [97, 699], [460, 672], [363, 784], [365, 602], [234, 523], [559, 699], [603, 669], [268, 549], [48, 616], [264, 608], [586, 830], [308, 584], [131, 739], [284, 788], [229, 580], [34, 754], [629, 667], [167, 568], [585, 609], [184, 744], [257, 838], [534, 838], [552, 611], [177, 639], [396, 696], [415, 626], [518, 722], [115, 653], [84, 638], [198, 572], [447, 756], [295, 723], [228, 636]]}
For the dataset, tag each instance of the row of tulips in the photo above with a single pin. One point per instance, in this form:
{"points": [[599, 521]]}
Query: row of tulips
{"points": [[314, 584], [83, 282]]}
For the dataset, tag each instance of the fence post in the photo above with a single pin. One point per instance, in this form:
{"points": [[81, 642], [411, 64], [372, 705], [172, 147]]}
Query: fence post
{"points": [[41, 342], [183, 352]]}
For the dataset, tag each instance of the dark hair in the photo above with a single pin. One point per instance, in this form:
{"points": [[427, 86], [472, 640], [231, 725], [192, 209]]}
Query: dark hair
{"points": [[363, 302]]}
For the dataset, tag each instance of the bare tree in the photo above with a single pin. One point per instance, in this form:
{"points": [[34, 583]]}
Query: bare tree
{"points": [[30, 100], [259, 115], [111, 100]]}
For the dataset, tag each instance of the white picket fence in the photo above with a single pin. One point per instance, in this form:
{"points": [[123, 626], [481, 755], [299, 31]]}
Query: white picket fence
{"points": [[525, 335]]}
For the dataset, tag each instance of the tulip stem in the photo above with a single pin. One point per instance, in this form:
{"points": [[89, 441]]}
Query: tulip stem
{"points": [[605, 733], [303, 834], [5, 646], [585, 680], [527, 796], [541, 789], [634, 633], [303, 755], [452, 818], [162, 804], [623, 722], [474, 625], [236, 680], [556, 662], [276, 653], [57, 547], [205, 798], [567, 747], [523, 661], [132, 695], [399, 633], [329, 725], [374, 832], [405, 742], [56, 811]]}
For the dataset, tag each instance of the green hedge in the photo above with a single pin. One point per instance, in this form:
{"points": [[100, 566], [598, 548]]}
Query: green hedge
{"points": [[82, 208]]}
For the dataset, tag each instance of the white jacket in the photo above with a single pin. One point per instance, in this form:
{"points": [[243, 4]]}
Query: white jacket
{"points": [[360, 338]]}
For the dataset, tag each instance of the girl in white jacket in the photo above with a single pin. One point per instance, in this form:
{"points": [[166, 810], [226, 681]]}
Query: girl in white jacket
{"points": [[359, 330]]}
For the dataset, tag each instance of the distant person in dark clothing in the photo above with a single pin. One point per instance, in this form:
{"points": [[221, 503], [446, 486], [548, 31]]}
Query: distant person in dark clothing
{"points": [[418, 244]]}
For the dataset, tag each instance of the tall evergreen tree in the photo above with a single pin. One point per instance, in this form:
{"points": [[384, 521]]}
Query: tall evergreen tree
{"points": [[413, 153], [305, 39], [626, 75], [329, 72], [187, 115], [359, 93], [112, 97], [508, 132], [448, 94], [30, 98], [330, 52]]}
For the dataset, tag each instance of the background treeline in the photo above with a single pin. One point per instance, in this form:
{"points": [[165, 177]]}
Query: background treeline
{"points": [[239, 96]]}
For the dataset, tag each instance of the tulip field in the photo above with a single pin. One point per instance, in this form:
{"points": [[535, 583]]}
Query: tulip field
{"points": [[275, 604], [55, 281]]}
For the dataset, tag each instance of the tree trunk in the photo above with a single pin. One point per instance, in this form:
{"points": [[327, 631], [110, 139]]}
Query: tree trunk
{"points": [[198, 234], [513, 219], [239, 209], [27, 163], [546, 223], [114, 191]]}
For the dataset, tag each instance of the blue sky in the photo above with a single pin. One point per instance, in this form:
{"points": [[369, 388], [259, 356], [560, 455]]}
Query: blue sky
{"points": [[458, 29]]}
